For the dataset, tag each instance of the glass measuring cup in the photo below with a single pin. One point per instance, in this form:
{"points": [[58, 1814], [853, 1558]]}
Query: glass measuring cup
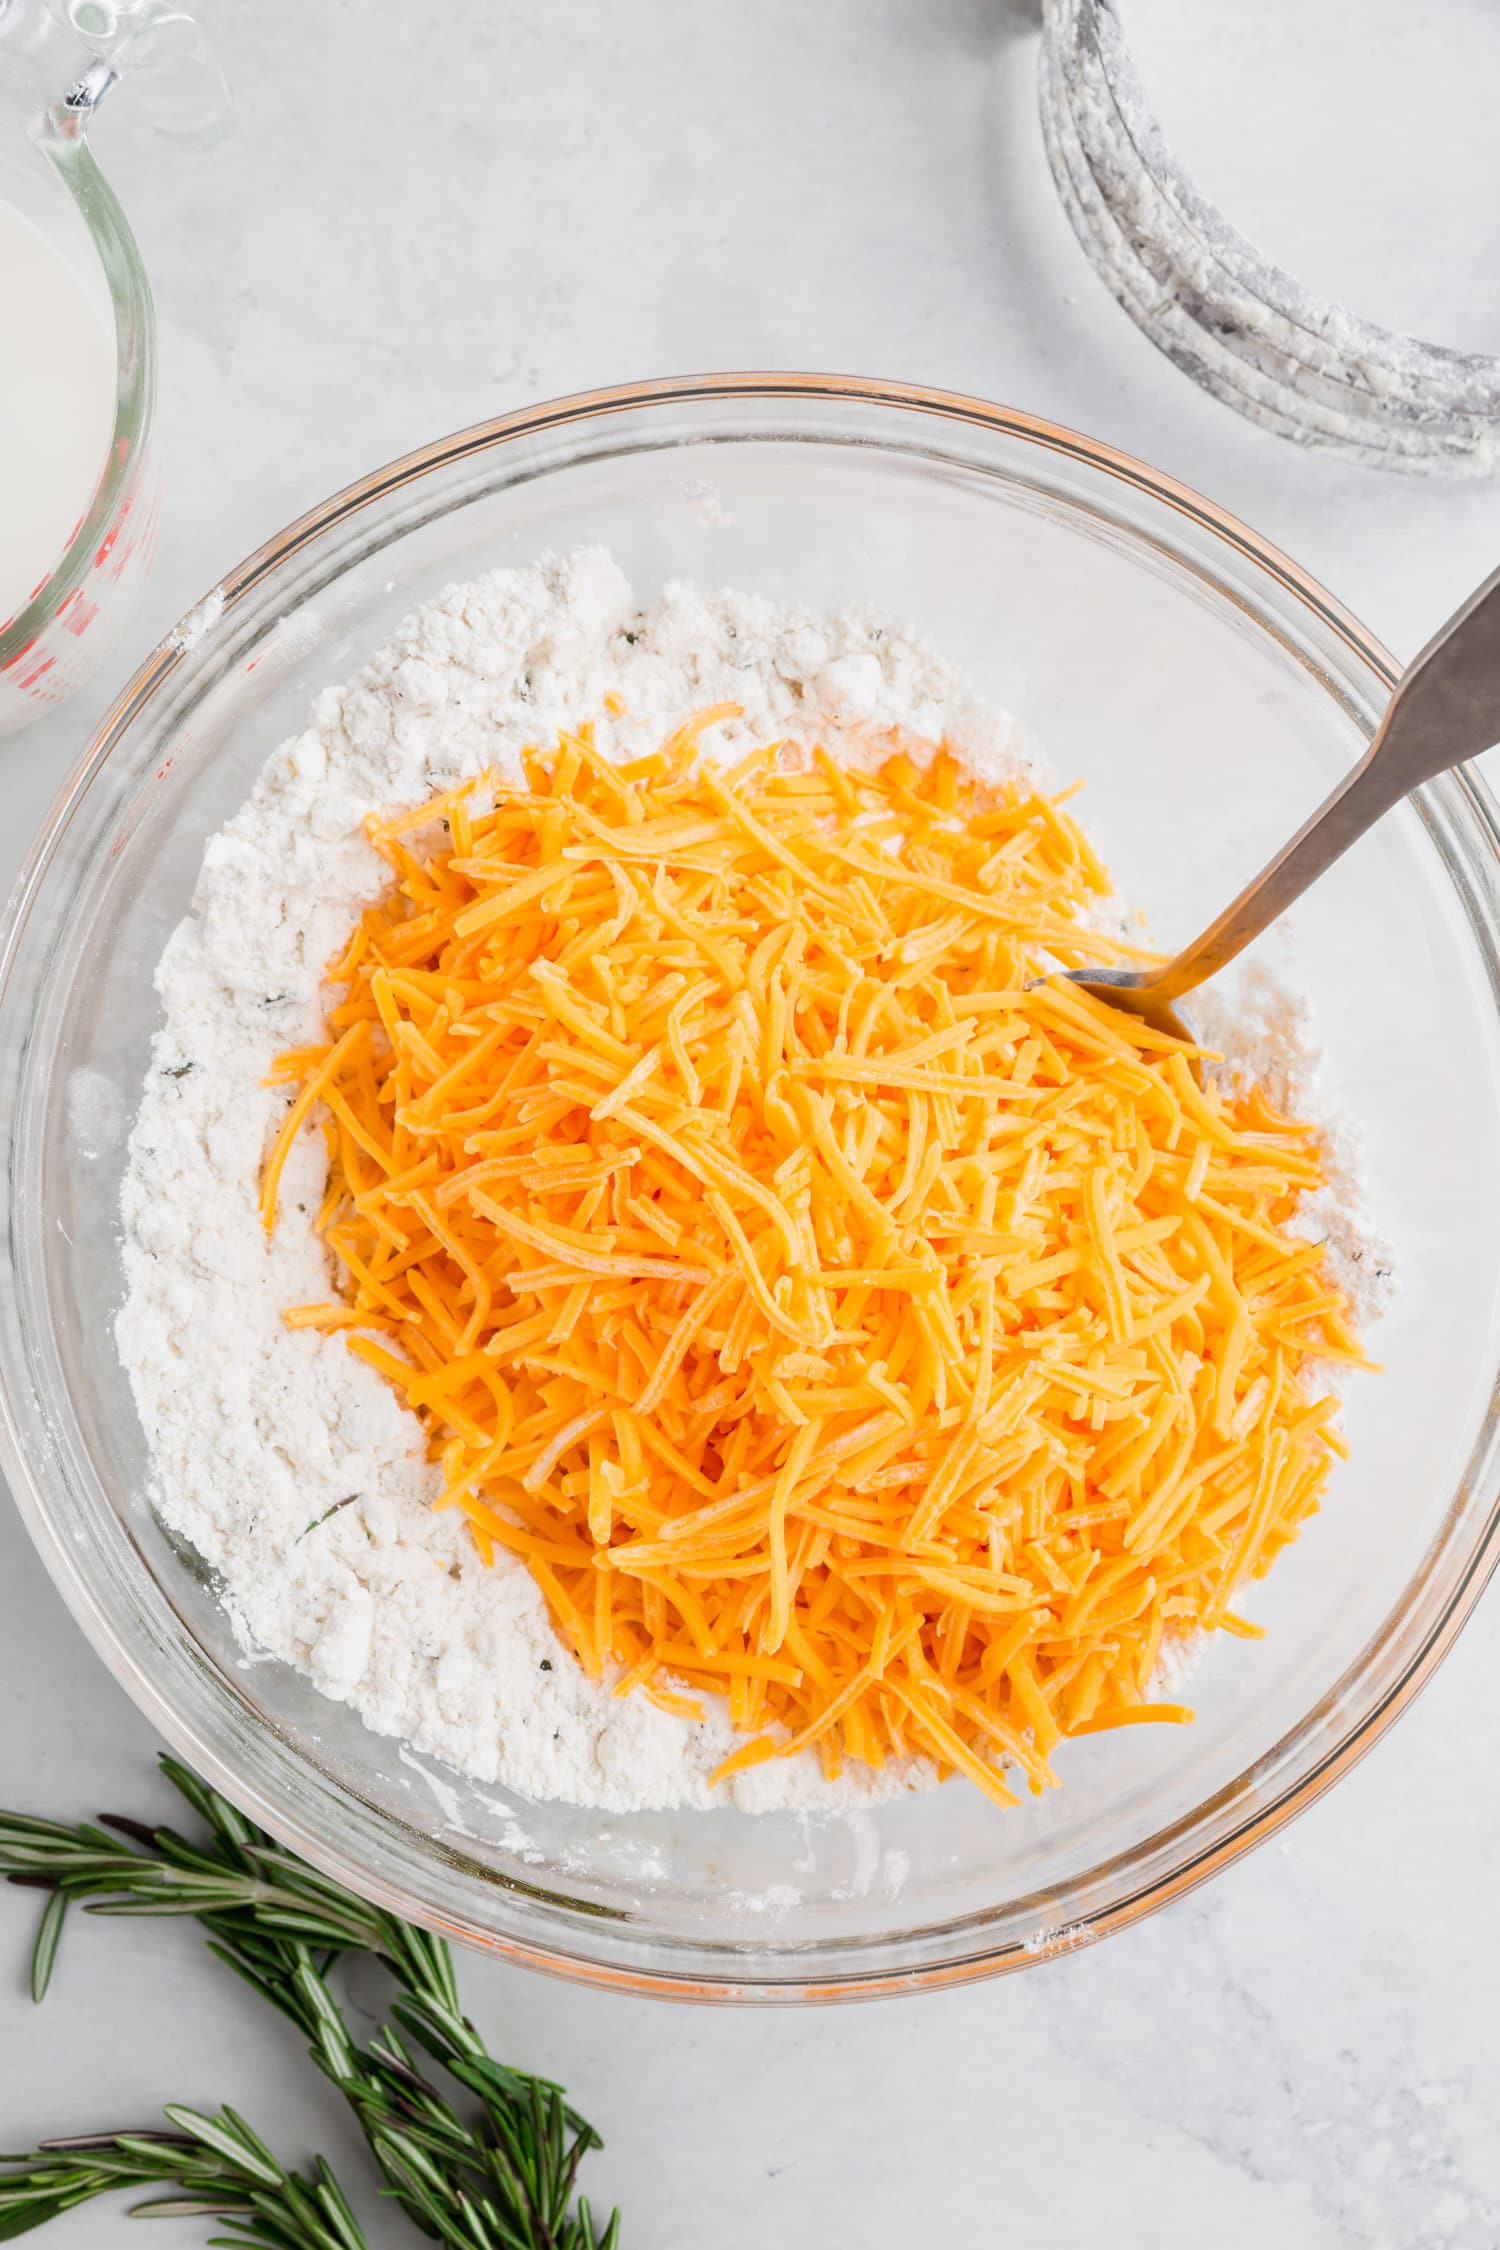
{"points": [[53, 641]]}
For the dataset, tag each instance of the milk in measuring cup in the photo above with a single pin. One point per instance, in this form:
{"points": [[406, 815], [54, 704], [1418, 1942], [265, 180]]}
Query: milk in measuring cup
{"points": [[57, 403]]}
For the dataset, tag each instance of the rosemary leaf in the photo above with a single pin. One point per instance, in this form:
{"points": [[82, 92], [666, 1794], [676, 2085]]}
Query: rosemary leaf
{"points": [[48, 1937]]}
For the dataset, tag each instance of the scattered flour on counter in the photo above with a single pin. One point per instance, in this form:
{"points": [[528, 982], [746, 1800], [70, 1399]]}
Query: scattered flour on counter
{"points": [[285, 1461]]}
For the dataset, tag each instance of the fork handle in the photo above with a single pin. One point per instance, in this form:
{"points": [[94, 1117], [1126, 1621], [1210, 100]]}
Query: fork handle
{"points": [[1446, 709]]}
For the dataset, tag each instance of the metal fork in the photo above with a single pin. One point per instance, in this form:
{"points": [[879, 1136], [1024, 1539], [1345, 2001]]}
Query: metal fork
{"points": [[1446, 709]]}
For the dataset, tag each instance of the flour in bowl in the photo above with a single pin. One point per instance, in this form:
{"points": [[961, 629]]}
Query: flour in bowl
{"points": [[286, 1460]]}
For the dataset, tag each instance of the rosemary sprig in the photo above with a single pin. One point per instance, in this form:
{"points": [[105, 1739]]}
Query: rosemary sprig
{"points": [[502, 2180], [218, 2167]]}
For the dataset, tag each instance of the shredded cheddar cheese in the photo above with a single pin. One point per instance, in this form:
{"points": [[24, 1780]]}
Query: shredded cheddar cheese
{"points": [[834, 1321]]}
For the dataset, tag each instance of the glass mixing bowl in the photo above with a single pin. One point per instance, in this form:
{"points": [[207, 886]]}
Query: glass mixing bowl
{"points": [[1208, 694]]}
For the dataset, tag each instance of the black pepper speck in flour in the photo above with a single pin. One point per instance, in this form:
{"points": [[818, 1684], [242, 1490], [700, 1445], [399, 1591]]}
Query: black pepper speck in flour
{"points": [[288, 1463]]}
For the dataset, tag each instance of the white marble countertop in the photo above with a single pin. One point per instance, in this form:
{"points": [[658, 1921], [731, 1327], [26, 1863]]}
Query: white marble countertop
{"points": [[429, 215]]}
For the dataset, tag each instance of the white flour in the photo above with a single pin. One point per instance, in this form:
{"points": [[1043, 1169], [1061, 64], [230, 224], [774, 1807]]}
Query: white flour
{"points": [[257, 1432], [287, 1462], [1268, 1035]]}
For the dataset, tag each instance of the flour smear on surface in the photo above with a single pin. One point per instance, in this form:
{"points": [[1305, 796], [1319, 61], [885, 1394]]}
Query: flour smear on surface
{"points": [[287, 1462]]}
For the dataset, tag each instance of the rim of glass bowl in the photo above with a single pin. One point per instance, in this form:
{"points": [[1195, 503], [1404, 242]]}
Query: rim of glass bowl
{"points": [[1280, 354], [127, 1614]]}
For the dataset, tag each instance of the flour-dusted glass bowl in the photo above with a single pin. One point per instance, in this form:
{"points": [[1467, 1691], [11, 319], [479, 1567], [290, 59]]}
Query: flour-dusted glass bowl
{"points": [[1208, 694]]}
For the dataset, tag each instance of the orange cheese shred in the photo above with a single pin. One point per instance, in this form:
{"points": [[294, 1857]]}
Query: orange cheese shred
{"points": [[834, 1321]]}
